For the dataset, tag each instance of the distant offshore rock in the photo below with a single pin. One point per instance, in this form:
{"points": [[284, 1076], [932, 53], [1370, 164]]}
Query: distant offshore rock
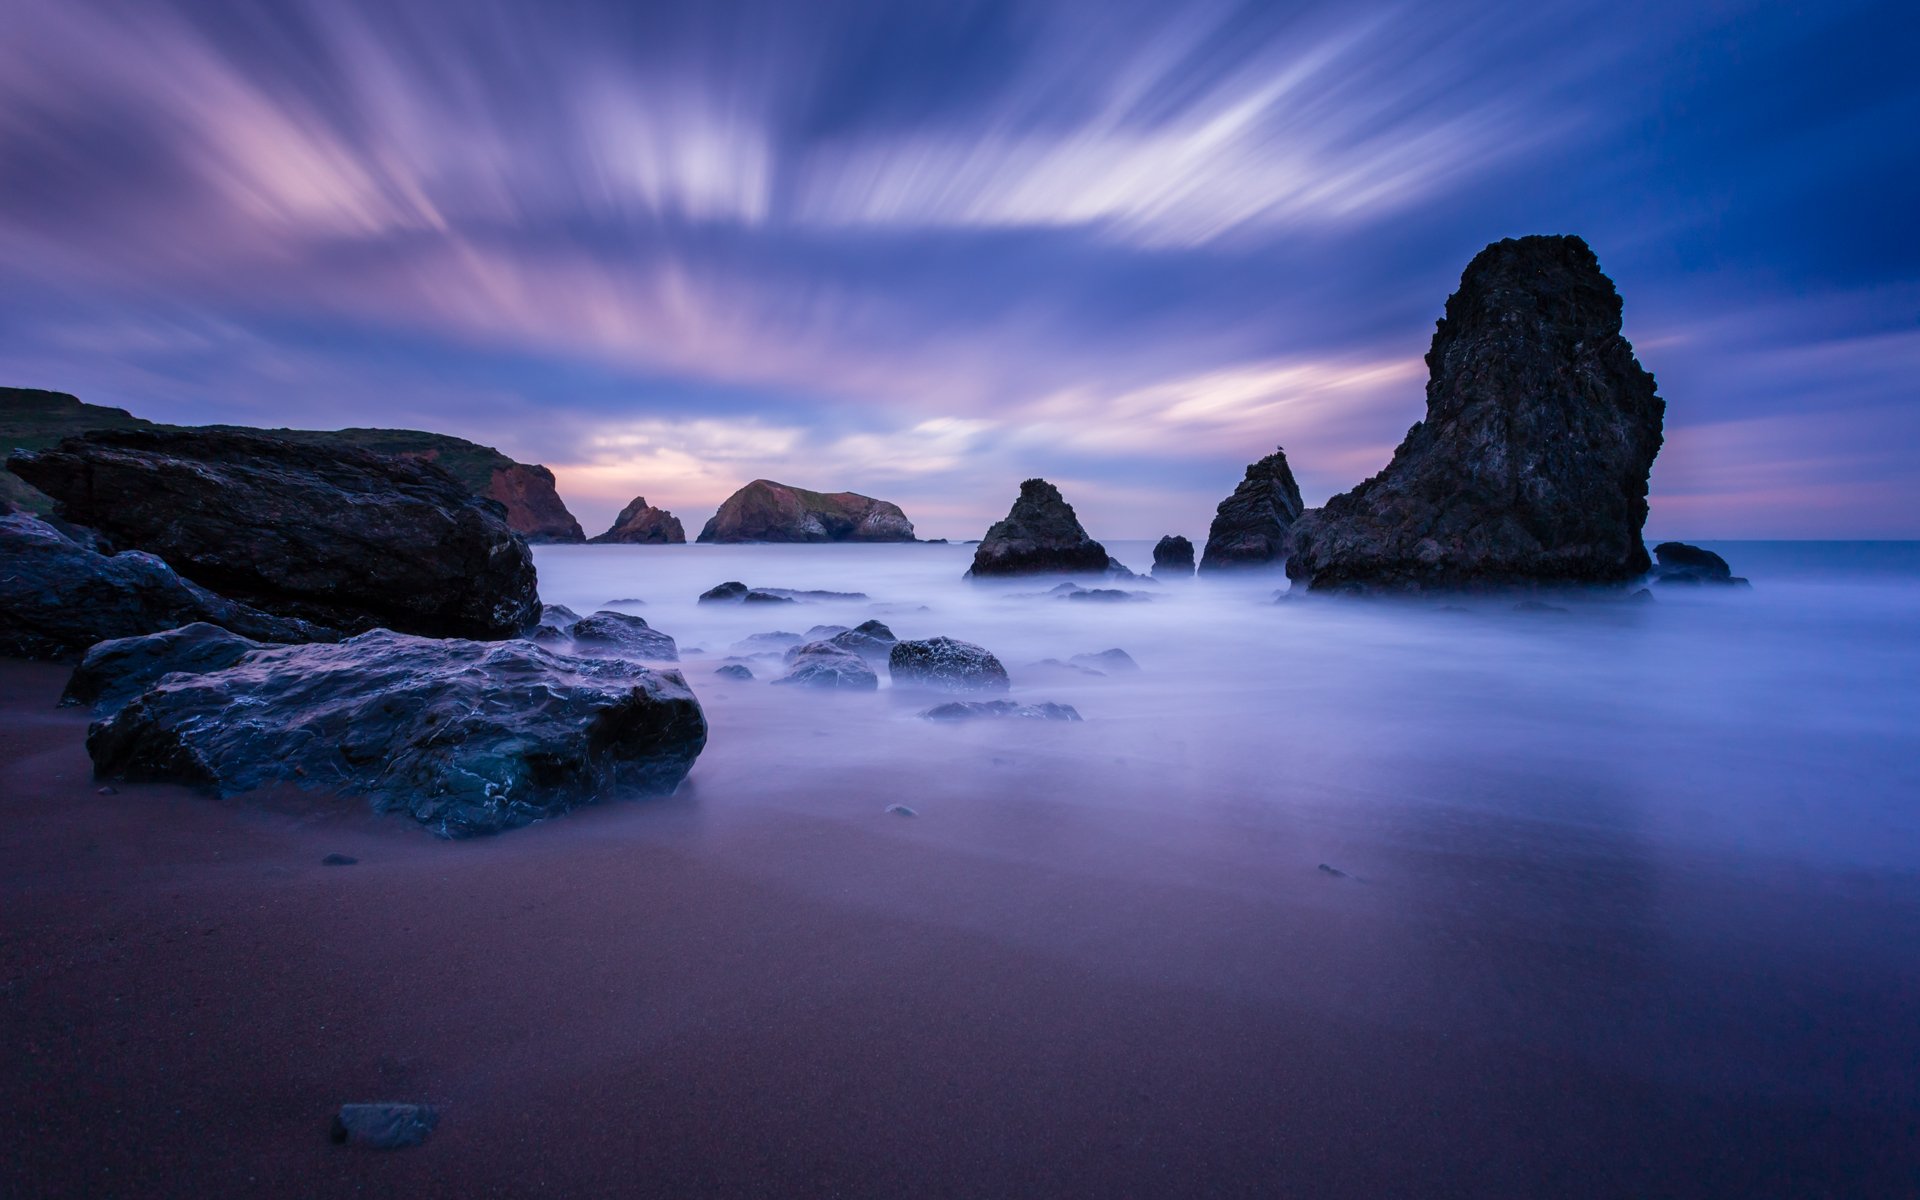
{"points": [[1680, 563], [765, 511], [1531, 466], [1040, 535], [972, 710], [332, 535], [640, 524], [465, 737], [1172, 556], [1252, 527]]}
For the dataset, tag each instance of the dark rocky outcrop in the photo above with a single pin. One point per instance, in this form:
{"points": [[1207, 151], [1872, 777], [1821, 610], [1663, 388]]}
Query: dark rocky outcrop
{"points": [[946, 663], [1172, 556], [34, 419], [825, 665], [1040, 535], [609, 632], [1105, 595], [723, 593], [466, 737], [383, 1126], [871, 640], [1677, 562], [757, 596], [765, 511], [334, 535], [640, 524], [556, 623], [58, 597], [1531, 466], [1250, 528], [734, 671], [970, 710], [116, 671]]}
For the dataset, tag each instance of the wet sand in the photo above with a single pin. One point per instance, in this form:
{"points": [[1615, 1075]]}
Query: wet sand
{"points": [[768, 986]]}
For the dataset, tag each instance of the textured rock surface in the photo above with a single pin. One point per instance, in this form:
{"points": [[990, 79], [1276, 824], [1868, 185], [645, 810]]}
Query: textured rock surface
{"points": [[534, 508], [765, 511], [1250, 528], [971, 710], [825, 665], [1172, 556], [946, 663], [114, 672], [640, 524], [58, 597], [1531, 466], [466, 737], [384, 1126], [623, 634], [339, 536], [1039, 535]]}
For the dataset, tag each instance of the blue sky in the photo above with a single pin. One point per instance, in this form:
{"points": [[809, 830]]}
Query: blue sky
{"points": [[926, 250]]}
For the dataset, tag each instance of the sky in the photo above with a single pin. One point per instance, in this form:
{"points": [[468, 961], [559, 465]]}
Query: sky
{"points": [[925, 250]]}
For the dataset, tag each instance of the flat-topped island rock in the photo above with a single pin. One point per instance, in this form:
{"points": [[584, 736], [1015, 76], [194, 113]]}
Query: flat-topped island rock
{"points": [[765, 511]]}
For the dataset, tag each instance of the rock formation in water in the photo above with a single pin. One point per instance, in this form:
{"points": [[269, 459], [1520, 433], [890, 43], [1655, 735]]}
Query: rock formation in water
{"points": [[58, 597], [1040, 535], [765, 511], [825, 665], [1680, 563], [640, 524], [1531, 465], [329, 534], [1172, 556], [609, 632], [973, 710], [948, 664], [1250, 528], [465, 737]]}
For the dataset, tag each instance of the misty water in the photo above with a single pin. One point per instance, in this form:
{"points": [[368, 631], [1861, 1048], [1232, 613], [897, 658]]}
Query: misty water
{"points": [[1678, 841]]}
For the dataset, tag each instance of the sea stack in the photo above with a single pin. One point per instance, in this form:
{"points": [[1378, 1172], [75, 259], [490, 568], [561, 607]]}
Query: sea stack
{"points": [[1041, 535], [1531, 466], [1172, 556], [765, 511], [640, 524], [1251, 528]]}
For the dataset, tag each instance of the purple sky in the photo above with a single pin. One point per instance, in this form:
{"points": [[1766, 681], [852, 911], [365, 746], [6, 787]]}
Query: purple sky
{"points": [[926, 250]]}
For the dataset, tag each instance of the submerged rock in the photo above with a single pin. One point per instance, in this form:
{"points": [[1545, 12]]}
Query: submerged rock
{"points": [[1040, 535], [948, 664], [824, 665], [766, 643], [1681, 563], [640, 524], [329, 534], [871, 640], [759, 597], [114, 672], [465, 737], [733, 671], [1251, 527], [1531, 466], [623, 634], [765, 511], [1172, 556], [721, 593], [58, 597], [1108, 662], [968, 710], [1105, 595], [384, 1126]]}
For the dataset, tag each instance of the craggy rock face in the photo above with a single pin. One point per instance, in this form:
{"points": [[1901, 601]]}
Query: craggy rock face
{"points": [[1250, 528], [335, 535], [765, 511], [1172, 555], [640, 524], [947, 664], [534, 508], [465, 737], [58, 597], [1531, 466], [1040, 535]]}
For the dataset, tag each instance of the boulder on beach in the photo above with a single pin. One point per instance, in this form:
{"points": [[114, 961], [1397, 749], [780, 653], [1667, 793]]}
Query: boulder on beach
{"points": [[947, 664], [624, 634], [1172, 556], [765, 511], [329, 534], [1040, 535], [58, 597], [973, 710], [824, 665], [114, 672], [466, 737], [1531, 465], [1677, 562], [1251, 527], [640, 524]]}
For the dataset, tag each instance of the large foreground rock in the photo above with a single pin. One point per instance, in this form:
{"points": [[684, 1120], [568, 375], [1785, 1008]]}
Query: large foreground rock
{"points": [[948, 664], [1040, 535], [641, 524], [114, 672], [1251, 527], [331, 534], [466, 737], [1531, 466], [58, 597], [765, 511]]}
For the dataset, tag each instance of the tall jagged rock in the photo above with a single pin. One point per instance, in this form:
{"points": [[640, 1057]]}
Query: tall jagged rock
{"points": [[328, 534], [1039, 535], [765, 511], [1531, 466], [1251, 527], [1172, 556], [641, 524]]}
